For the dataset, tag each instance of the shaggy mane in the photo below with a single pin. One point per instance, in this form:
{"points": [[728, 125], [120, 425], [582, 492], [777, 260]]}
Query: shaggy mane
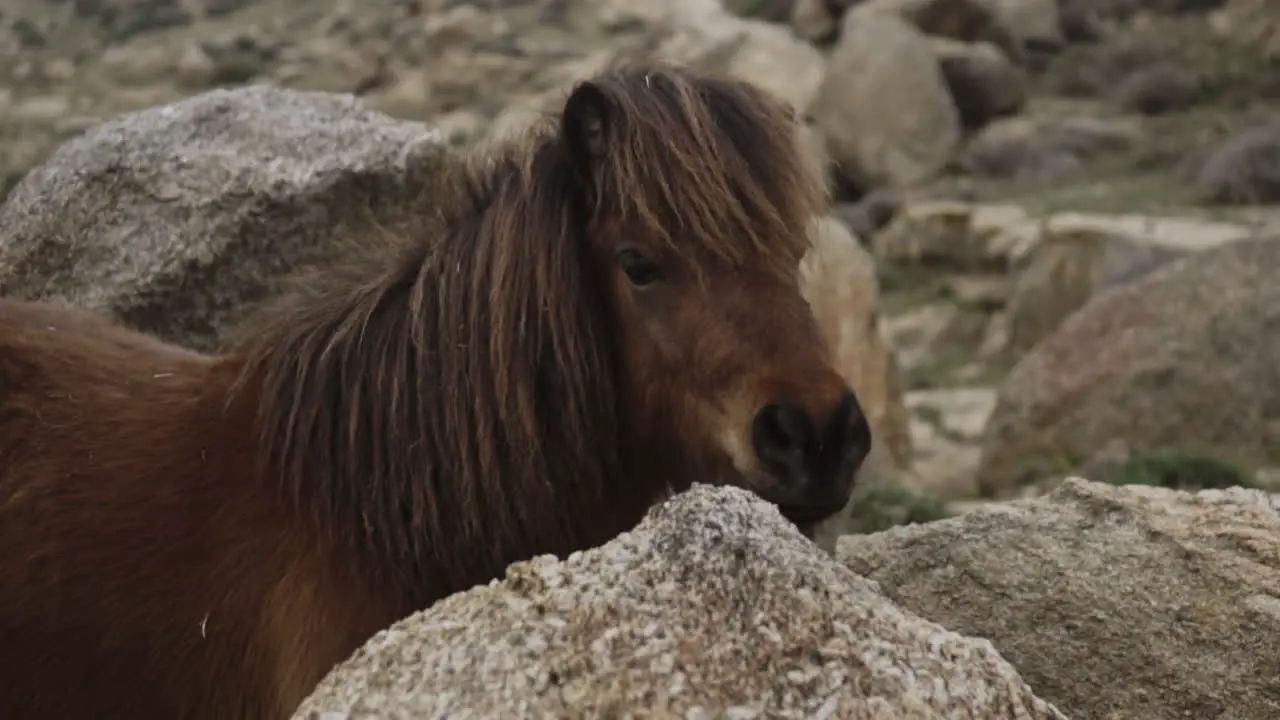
{"points": [[459, 389]]}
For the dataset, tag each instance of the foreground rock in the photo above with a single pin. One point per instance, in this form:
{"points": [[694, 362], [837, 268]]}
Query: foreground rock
{"points": [[1184, 357], [713, 607], [173, 217], [1134, 602]]}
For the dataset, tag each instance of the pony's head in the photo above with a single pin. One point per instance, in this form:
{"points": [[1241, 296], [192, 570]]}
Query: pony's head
{"points": [[697, 204]]}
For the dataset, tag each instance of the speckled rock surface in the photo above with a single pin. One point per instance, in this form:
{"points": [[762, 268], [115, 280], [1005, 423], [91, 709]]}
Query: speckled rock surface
{"points": [[172, 217], [1113, 602], [713, 607]]}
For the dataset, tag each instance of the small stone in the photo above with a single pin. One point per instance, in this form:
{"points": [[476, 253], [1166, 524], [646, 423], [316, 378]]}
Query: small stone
{"points": [[60, 70]]}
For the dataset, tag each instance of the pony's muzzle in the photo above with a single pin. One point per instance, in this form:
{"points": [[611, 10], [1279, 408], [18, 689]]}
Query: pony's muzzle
{"points": [[814, 460]]}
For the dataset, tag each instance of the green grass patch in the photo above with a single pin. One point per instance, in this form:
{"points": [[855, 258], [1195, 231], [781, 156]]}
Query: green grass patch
{"points": [[1180, 470], [1103, 192], [768, 10], [9, 181], [905, 287], [1032, 470], [880, 507]]}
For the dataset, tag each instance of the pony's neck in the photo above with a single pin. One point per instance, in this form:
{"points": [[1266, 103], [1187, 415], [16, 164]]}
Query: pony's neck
{"points": [[455, 412]]}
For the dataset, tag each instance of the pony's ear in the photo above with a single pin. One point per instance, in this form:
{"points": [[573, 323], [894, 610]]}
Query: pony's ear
{"points": [[587, 113]]}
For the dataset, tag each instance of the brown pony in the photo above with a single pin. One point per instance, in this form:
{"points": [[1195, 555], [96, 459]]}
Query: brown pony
{"points": [[611, 312]]}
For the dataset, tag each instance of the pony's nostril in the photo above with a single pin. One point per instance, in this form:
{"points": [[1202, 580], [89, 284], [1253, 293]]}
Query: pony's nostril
{"points": [[780, 435], [814, 457], [822, 454], [849, 431], [860, 434], [838, 426]]}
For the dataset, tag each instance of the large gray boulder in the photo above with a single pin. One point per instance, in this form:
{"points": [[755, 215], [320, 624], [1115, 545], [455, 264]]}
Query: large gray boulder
{"points": [[883, 105], [1186, 357], [1113, 602], [173, 217], [714, 606]]}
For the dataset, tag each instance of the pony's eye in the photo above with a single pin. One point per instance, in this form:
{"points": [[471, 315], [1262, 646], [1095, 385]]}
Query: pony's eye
{"points": [[637, 267]]}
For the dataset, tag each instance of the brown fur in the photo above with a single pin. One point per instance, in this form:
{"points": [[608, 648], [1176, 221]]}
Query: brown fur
{"points": [[184, 536]]}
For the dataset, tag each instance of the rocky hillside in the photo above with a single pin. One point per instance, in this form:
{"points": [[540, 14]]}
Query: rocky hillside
{"points": [[1052, 252], [1112, 102]]}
